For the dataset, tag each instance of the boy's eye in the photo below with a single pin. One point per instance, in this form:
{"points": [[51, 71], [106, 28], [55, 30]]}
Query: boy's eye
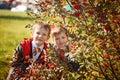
{"points": [[63, 37], [37, 32], [56, 38], [44, 34]]}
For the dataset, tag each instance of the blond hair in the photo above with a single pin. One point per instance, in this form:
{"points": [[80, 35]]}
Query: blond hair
{"points": [[58, 30], [42, 24]]}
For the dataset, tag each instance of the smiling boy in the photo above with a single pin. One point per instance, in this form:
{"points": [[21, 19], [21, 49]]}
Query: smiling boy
{"points": [[26, 49]]}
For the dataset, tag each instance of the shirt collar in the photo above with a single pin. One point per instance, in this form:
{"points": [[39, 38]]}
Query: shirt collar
{"points": [[34, 45]]}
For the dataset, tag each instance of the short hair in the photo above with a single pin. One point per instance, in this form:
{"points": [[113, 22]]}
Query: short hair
{"points": [[42, 24], [58, 30]]}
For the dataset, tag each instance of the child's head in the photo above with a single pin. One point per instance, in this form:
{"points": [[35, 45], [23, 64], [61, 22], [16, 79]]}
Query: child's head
{"points": [[40, 32], [60, 36]]}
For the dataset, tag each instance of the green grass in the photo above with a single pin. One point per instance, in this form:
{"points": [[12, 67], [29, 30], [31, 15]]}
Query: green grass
{"points": [[12, 31]]}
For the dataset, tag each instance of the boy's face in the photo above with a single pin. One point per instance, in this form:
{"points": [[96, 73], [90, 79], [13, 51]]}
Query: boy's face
{"points": [[40, 35], [60, 39]]}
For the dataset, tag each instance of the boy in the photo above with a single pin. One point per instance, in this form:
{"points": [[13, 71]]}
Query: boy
{"points": [[61, 48], [26, 49]]}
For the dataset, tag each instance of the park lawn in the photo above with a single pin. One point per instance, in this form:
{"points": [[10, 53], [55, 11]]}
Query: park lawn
{"points": [[12, 31]]}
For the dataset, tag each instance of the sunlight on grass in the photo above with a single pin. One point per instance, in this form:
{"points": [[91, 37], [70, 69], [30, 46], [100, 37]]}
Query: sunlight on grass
{"points": [[12, 31]]}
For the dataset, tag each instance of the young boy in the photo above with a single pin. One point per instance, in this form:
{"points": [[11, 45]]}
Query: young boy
{"points": [[61, 47], [26, 49]]}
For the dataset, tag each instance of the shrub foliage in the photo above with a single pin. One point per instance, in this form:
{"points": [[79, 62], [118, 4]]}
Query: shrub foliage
{"points": [[94, 30]]}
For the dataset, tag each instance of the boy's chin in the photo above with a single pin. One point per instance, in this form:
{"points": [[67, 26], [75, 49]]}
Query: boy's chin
{"points": [[39, 44], [62, 47]]}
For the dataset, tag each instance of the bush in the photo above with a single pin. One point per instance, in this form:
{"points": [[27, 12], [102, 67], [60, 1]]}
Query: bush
{"points": [[93, 27]]}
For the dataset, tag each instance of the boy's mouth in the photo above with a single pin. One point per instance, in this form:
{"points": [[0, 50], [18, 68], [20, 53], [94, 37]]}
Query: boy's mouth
{"points": [[40, 39], [62, 44]]}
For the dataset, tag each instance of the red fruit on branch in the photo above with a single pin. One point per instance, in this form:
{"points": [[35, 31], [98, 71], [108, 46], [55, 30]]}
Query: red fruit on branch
{"points": [[61, 55], [116, 69], [113, 63], [105, 64], [51, 65], [73, 2], [77, 14], [106, 56], [117, 59], [90, 12], [63, 16], [107, 28], [76, 6]]}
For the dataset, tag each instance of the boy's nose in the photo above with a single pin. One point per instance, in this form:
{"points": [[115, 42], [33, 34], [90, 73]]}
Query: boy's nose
{"points": [[60, 41], [40, 35]]}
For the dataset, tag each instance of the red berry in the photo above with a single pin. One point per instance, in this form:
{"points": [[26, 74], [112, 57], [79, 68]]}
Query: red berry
{"points": [[90, 12], [61, 55], [105, 64], [63, 16], [76, 7], [51, 65], [73, 3], [116, 69], [117, 59], [77, 14], [106, 56]]}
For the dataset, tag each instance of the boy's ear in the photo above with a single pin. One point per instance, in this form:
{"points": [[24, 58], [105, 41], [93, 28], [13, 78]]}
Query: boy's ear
{"points": [[48, 37], [31, 33]]}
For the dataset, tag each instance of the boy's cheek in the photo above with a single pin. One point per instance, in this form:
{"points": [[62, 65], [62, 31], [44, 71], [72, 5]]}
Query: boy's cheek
{"points": [[48, 37]]}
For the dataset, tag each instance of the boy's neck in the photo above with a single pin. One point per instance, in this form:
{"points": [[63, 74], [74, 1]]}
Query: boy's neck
{"points": [[37, 45]]}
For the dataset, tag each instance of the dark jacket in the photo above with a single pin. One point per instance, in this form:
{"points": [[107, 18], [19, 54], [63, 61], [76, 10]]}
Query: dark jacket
{"points": [[72, 65], [21, 55]]}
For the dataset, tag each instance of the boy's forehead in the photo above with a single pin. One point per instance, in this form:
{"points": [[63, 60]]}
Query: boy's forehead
{"points": [[41, 26], [38, 27], [60, 33], [41, 29]]}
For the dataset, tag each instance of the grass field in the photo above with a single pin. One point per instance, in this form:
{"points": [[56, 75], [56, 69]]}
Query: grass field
{"points": [[12, 31]]}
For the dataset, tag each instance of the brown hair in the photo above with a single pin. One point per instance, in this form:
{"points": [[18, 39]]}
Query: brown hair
{"points": [[42, 24], [58, 30]]}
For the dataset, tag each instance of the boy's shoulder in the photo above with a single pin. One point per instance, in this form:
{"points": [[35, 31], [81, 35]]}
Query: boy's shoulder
{"points": [[26, 40], [26, 46]]}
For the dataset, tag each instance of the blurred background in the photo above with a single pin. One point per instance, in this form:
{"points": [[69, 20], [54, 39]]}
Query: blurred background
{"points": [[13, 20], [17, 5]]}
